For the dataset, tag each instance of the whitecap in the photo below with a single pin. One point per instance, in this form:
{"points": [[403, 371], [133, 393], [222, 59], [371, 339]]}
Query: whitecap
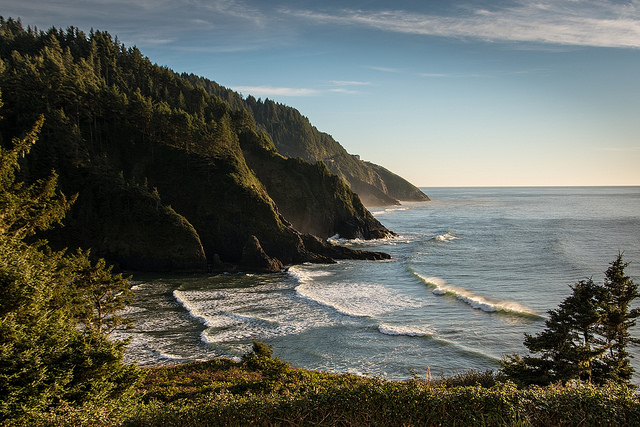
{"points": [[446, 237], [358, 241], [247, 328], [192, 309], [231, 315], [441, 287], [305, 275], [164, 356], [389, 210], [356, 299], [410, 331]]}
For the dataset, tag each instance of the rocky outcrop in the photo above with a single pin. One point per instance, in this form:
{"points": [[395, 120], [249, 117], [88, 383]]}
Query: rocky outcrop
{"points": [[397, 186], [309, 196], [168, 177], [324, 248], [255, 258], [294, 136], [226, 222], [127, 224]]}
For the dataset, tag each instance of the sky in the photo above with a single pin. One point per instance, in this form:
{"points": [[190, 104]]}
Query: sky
{"points": [[443, 93]]}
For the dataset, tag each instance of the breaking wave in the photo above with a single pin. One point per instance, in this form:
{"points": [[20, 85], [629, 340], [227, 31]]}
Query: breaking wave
{"points": [[441, 287], [260, 312], [446, 237], [389, 210], [193, 310], [409, 331], [359, 299]]}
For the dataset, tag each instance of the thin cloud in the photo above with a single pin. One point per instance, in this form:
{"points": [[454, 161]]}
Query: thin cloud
{"points": [[343, 87], [385, 69], [235, 9], [484, 75], [568, 22], [349, 83], [221, 25], [347, 87], [344, 91], [155, 41], [249, 24], [261, 91]]}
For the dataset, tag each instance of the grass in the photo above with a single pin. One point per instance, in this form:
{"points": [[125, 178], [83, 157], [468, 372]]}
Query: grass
{"points": [[261, 390]]}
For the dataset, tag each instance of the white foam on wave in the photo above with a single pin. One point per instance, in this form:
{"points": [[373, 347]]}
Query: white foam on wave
{"points": [[245, 332], [193, 310], [259, 312], [246, 327], [355, 299], [158, 354], [302, 275], [404, 330], [446, 237], [441, 287], [341, 241], [427, 332], [389, 210], [206, 308], [338, 240], [146, 350]]}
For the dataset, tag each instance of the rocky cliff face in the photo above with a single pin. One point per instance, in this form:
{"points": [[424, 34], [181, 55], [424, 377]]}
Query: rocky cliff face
{"points": [[295, 137], [128, 224], [205, 214], [309, 196], [168, 176]]}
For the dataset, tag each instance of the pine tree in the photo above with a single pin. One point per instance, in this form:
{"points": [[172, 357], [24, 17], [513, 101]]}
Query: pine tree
{"points": [[98, 295], [569, 346], [585, 338], [50, 350], [618, 318]]}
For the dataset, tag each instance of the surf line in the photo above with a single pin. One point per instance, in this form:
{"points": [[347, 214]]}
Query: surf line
{"points": [[440, 287]]}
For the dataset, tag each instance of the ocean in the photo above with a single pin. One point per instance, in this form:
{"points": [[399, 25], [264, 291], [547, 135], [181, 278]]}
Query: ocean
{"points": [[472, 271]]}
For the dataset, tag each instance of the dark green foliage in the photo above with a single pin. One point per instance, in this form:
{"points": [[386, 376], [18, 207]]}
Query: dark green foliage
{"points": [[55, 310], [617, 318], [303, 191], [223, 392], [484, 379], [262, 390], [26, 209], [98, 295], [261, 349], [294, 136], [155, 157], [585, 338]]}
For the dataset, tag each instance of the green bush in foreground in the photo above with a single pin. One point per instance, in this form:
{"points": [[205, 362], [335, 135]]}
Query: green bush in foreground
{"points": [[262, 390], [56, 310]]}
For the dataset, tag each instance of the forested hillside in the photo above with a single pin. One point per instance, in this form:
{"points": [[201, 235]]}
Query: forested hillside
{"points": [[168, 175], [294, 136]]}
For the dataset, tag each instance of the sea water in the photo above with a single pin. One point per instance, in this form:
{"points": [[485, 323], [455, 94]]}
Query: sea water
{"points": [[472, 271]]}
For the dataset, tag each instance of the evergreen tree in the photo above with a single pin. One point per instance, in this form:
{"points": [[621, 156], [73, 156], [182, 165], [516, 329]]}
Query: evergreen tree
{"points": [[50, 350], [617, 319], [98, 295], [585, 338]]}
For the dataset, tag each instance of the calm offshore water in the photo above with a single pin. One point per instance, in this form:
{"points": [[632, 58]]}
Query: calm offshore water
{"points": [[472, 271]]}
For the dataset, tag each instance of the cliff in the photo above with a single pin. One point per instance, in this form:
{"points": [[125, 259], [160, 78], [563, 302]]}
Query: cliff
{"points": [[168, 177], [313, 199], [294, 136]]}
